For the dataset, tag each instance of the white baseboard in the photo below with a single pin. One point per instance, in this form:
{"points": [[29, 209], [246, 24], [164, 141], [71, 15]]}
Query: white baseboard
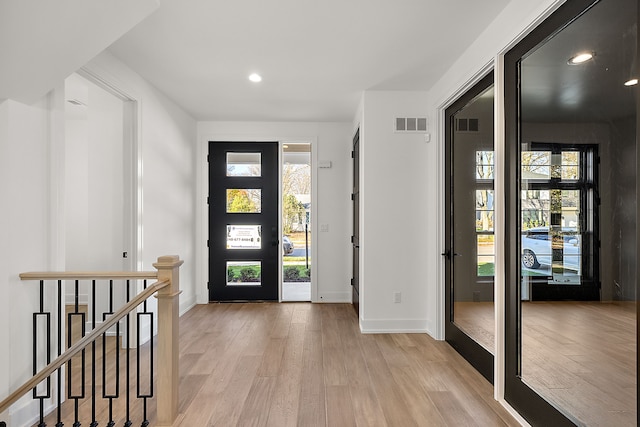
{"points": [[185, 306], [335, 297], [394, 326], [25, 412]]}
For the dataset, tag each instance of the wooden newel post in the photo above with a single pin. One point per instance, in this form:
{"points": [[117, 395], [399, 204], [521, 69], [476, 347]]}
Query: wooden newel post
{"points": [[168, 334]]}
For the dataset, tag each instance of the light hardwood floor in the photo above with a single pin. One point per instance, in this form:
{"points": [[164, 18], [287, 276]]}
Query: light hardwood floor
{"points": [[581, 356], [301, 364]]}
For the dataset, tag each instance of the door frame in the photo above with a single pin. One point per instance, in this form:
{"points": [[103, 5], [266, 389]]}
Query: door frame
{"points": [[202, 211], [133, 158]]}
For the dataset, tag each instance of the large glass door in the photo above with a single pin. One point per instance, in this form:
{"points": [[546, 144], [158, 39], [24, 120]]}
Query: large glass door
{"points": [[571, 185], [244, 236], [469, 251]]}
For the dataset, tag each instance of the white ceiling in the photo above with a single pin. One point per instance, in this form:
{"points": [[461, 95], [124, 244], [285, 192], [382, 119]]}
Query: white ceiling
{"points": [[316, 57], [41, 43]]}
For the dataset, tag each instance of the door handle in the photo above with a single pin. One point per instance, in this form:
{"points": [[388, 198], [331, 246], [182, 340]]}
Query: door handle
{"points": [[449, 255]]}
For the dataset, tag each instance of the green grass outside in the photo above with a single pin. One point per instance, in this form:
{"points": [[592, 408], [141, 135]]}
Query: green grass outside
{"points": [[488, 269], [303, 272]]}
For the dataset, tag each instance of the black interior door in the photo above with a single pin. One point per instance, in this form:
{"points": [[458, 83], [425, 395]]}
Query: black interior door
{"points": [[355, 240], [469, 252], [244, 237]]}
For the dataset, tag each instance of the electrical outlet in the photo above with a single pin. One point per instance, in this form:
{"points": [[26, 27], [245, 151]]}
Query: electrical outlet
{"points": [[397, 297]]}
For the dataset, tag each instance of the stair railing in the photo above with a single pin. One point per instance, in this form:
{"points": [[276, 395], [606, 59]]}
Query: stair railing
{"points": [[167, 291]]}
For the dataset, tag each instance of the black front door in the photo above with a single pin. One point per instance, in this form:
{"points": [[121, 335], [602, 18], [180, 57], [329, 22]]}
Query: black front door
{"points": [[244, 237]]}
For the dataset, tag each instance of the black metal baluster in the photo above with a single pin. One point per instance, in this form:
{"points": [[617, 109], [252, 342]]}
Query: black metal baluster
{"points": [[106, 395], [149, 394], [128, 379], [94, 423], [59, 422], [47, 317], [81, 395]]}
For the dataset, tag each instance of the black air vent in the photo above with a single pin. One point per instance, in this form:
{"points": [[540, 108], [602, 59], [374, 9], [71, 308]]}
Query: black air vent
{"points": [[467, 125]]}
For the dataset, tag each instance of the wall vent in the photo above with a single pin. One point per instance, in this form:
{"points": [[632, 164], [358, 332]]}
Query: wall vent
{"points": [[468, 125], [411, 124]]}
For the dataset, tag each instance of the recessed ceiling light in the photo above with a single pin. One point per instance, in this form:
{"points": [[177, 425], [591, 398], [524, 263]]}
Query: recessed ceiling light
{"points": [[631, 82], [580, 58], [255, 78]]}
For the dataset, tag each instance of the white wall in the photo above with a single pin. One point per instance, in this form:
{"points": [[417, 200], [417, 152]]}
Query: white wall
{"points": [[398, 214], [330, 141], [167, 173], [26, 238]]}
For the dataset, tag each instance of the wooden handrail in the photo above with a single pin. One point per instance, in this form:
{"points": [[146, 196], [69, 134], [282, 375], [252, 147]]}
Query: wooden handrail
{"points": [[84, 275], [86, 340]]}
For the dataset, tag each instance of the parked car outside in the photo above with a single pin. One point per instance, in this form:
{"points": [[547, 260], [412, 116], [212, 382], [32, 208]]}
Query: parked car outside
{"points": [[287, 245], [538, 245]]}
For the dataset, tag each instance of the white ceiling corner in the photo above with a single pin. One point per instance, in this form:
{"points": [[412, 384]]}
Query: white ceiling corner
{"points": [[43, 42]]}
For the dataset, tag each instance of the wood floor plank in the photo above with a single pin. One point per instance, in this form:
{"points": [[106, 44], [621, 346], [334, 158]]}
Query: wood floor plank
{"points": [[312, 410], [339, 407], [255, 411], [285, 401], [390, 395], [271, 364]]}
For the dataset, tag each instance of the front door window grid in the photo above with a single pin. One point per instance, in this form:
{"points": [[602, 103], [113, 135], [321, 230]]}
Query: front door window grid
{"points": [[557, 230]]}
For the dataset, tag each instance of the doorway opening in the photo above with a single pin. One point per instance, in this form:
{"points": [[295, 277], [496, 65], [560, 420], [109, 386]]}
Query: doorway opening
{"points": [[296, 222], [100, 181]]}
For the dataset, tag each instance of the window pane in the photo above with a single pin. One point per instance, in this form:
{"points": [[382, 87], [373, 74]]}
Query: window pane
{"points": [[484, 210], [244, 273], [244, 200], [486, 254], [535, 207], [536, 164], [244, 164], [484, 164], [244, 236]]}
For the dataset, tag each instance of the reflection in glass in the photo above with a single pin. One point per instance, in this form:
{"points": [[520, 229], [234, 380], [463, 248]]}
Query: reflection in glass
{"points": [[473, 220], [244, 273], [244, 200], [577, 219], [486, 255], [484, 164], [244, 236], [244, 164]]}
